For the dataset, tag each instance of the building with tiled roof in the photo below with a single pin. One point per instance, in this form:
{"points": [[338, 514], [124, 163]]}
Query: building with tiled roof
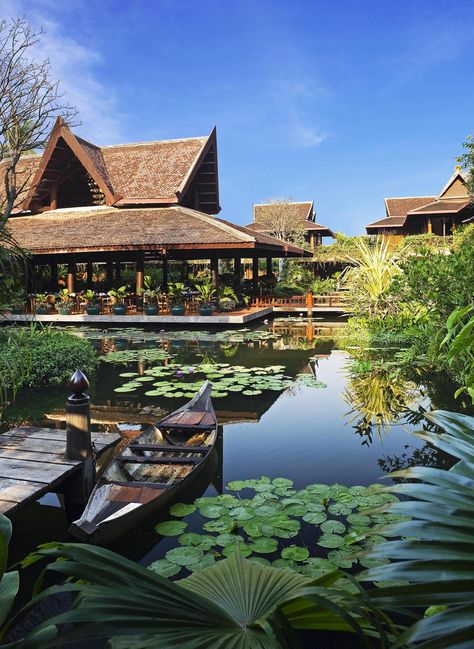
{"points": [[143, 202], [301, 213], [426, 214]]}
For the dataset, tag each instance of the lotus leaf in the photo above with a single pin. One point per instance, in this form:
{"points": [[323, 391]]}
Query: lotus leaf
{"points": [[330, 541], [262, 560], [205, 561], [339, 509], [182, 509], [165, 568], [198, 540], [264, 545], [228, 539], [222, 525], [184, 555], [171, 528], [295, 552], [333, 527], [213, 511], [244, 550], [315, 518]]}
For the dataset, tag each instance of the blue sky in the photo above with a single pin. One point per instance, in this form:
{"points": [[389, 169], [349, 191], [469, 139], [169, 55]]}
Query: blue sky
{"points": [[342, 103]]}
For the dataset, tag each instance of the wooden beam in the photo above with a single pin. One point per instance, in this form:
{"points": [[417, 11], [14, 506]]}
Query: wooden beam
{"points": [[215, 272], [164, 284], [255, 274], [140, 276], [71, 277]]}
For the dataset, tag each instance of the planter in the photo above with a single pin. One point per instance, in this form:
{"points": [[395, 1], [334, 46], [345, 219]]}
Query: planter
{"points": [[177, 309], [41, 310], [150, 309], [205, 310], [120, 309], [93, 309], [65, 310]]}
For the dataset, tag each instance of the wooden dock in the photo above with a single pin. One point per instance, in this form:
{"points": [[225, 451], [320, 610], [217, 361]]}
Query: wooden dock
{"points": [[32, 463]]}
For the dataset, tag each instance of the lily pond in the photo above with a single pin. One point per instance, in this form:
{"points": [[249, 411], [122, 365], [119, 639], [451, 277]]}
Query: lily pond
{"points": [[308, 427]]}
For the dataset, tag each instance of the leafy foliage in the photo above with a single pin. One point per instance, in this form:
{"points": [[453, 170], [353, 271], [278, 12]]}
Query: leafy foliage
{"points": [[312, 531], [436, 552]]}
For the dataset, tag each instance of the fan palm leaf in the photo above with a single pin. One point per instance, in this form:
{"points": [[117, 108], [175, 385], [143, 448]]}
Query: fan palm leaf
{"points": [[435, 556]]}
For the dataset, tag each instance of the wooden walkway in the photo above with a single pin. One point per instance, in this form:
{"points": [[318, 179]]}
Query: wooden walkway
{"points": [[32, 463]]}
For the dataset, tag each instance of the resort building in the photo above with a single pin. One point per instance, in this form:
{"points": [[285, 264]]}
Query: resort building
{"points": [[144, 203], [268, 216], [426, 214]]}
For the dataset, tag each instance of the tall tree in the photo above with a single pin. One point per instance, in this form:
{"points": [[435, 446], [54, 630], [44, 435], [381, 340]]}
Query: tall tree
{"points": [[282, 218], [466, 161], [30, 102]]}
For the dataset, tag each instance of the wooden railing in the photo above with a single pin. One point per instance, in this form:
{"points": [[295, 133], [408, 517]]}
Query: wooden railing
{"points": [[333, 300]]}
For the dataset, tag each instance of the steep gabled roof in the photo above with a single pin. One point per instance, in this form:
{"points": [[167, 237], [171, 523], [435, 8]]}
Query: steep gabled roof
{"points": [[26, 168], [441, 207], [303, 210], [50, 169], [456, 187]]}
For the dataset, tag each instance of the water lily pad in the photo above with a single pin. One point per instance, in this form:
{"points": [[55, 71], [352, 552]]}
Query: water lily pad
{"points": [[184, 555], [221, 525], [315, 518], [264, 545], [242, 513], [190, 538], [212, 511], [341, 558], [128, 374], [228, 539], [182, 509], [330, 541], [164, 568], [339, 509], [333, 527], [284, 564], [295, 553], [261, 560], [204, 562], [358, 519], [266, 510], [171, 528], [244, 550], [124, 389]]}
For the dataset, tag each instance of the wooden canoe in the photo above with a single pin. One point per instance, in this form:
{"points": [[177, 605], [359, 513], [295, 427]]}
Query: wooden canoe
{"points": [[150, 471]]}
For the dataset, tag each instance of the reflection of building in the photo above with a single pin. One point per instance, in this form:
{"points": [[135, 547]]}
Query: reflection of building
{"points": [[426, 214], [303, 213]]}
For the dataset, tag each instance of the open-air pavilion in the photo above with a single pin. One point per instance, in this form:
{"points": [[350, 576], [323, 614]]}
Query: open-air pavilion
{"points": [[142, 204]]}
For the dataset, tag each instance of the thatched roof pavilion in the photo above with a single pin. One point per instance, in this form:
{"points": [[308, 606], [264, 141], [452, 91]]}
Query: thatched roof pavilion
{"points": [[138, 202]]}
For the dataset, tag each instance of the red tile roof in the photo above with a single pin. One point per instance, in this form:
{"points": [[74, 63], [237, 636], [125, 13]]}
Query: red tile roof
{"points": [[441, 207], [387, 222], [402, 205]]}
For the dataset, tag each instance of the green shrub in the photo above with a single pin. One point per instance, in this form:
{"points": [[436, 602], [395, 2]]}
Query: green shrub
{"points": [[52, 355]]}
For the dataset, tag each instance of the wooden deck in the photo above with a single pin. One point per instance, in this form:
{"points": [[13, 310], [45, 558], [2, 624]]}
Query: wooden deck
{"points": [[332, 303], [32, 463]]}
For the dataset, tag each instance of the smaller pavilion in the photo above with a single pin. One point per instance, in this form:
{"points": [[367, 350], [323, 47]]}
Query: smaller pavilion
{"points": [[427, 214], [302, 213], [143, 203]]}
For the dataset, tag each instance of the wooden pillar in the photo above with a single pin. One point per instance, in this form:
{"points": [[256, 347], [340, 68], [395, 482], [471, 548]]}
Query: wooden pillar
{"points": [[255, 274], [71, 277], [429, 226], [140, 275], [78, 439], [215, 272], [117, 272], [269, 266], [54, 197], [54, 278], [237, 274], [89, 275], [109, 274], [164, 284]]}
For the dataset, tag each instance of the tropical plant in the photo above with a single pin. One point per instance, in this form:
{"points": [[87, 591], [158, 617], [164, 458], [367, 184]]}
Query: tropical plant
{"points": [[90, 296], [458, 346], [434, 550], [235, 603], [9, 581], [369, 278], [206, 293], [177, 293], [150, 292], [227, 299], [119, 294]]}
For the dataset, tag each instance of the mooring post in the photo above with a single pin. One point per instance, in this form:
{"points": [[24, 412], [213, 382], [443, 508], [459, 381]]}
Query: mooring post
{"points": [[78, 432]]}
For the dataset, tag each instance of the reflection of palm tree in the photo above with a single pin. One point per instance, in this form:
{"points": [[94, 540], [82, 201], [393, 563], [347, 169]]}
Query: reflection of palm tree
{"points": [[230, 350], [377, 399]]}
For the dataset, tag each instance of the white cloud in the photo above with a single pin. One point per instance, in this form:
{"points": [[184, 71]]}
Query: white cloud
{"points": [[77, 69]]}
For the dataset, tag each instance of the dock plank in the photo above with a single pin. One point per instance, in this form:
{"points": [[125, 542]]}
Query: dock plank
{"points": [[32, 462]]}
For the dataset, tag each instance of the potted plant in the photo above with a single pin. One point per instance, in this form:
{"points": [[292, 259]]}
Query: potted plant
{"points": [[42, 303], [17, 302], [177, 291], [207, 293], [119, 295], [65, 302], [150, 296], [92, 304], [228, 299]]}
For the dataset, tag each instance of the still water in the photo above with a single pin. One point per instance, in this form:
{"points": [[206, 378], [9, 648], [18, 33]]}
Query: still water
{"points": [[327, 424]]}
